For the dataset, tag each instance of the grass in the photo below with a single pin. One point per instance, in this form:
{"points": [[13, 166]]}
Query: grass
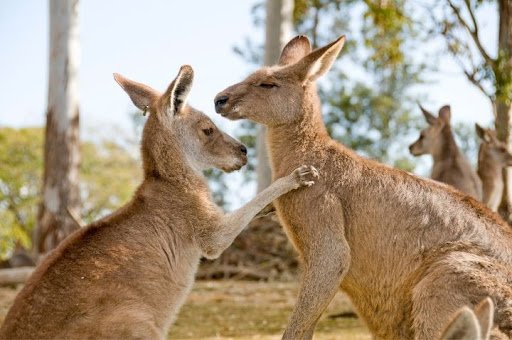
{"points": [[253, 310], [243, 310]]}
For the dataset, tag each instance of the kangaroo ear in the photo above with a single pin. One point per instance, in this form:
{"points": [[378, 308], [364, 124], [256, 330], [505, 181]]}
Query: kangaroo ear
{"points": [[445, 114], [482, 133], [484, 312], [431, 119], [464, 326], [319, 61], [141, 95], [175, 97], [295, 49]]}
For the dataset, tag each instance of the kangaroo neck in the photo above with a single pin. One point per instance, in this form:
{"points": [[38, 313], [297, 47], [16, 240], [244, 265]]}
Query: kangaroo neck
{"points": [[447, 148], [302, 135], [489, 171]]}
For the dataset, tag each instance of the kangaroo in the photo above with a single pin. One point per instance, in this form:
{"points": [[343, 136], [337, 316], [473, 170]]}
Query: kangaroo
{"points": [[450, 165], [126, 275], [493, 156], [408, 251], [471, 325]]}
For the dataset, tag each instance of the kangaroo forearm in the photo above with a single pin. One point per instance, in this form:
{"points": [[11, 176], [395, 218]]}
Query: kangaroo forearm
{"points": [[233, 223], [246, 213]]}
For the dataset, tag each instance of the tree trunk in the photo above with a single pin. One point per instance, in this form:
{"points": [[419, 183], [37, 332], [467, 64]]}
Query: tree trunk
{"points": [[60, 192], [503, 101], [278, 28]]}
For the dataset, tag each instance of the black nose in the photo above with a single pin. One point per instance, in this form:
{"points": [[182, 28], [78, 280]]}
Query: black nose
{"points": [[243, 149], [220, 102]]}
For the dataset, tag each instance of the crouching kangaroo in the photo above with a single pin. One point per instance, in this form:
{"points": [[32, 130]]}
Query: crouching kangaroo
{"points": [[409, 252], [450, 165], [126, 276]]}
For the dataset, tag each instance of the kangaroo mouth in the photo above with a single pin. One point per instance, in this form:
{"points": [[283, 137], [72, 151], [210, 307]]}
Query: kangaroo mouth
{"points": [[232, 115], [237, 166], [230, 112]]}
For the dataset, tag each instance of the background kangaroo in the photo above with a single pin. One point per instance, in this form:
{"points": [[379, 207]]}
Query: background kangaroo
{"points": [[409, 252], [471, 325], [493, 156], [126, 276], [450, 165]]}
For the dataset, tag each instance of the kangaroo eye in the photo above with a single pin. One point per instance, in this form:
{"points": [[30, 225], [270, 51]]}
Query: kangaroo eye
{"points": [[267, 85], [208, 131]]}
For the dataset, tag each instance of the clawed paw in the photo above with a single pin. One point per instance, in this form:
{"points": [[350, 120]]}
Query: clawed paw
{"points": [[305, 175]]}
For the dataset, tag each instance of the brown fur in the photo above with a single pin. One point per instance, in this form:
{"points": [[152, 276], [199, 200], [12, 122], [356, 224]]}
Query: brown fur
{"points": [[493, 156], [450, 165], [409, 252], [126, 275]]}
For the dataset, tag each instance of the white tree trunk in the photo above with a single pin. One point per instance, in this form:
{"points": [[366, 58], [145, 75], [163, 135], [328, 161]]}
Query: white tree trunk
{"points": [[278, 28], [62, 154]]}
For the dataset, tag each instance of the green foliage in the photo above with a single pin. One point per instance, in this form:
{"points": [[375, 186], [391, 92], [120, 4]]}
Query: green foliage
{"points": [[108, 177], [20, 176]]}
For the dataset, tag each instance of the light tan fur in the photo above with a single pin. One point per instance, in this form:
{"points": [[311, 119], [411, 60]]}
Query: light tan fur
{"points": [[493, 156], [471, 325], [450, 165], [126, 275], [409, 252]]}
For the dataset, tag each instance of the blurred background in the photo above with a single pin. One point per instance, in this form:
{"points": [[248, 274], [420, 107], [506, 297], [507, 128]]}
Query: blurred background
{"points": [[398, 54]]}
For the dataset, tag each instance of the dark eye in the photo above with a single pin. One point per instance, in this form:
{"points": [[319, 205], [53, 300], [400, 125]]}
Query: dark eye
{"points": [[267, 85], [208, 131]]}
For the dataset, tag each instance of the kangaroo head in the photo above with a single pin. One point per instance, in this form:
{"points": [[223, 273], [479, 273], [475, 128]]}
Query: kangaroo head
{"points": [[492, 147], [278, 94], [431, 138], [471, 325], [177, 133]]}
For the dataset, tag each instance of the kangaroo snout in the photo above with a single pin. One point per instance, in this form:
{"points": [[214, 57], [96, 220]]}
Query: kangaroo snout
{"points": [[412, 150], [242, 156], [243, 149]]}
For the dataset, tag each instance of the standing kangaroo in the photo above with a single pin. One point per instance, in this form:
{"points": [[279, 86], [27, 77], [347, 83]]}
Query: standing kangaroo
{"points": [[493, 156], [126, 275], [409, 252], [450, 165]]}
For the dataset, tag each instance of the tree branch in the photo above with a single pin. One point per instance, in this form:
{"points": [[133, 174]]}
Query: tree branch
{"points": [[473, 32], [470, 74]]}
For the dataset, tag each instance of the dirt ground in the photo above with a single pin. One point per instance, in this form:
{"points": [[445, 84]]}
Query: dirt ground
{"points": [[244, 310]]}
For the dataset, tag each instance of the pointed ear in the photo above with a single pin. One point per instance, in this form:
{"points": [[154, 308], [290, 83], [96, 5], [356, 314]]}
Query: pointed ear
{"points": [[295, 49], [430, 118], [464, 326], [175, 98], [445, 113], [482, 133], [141, 95], [319, 61], [484, 312]]}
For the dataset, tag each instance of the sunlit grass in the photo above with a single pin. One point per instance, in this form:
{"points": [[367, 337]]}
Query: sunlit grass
{"points": [[251, 310], [243, 310]]}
